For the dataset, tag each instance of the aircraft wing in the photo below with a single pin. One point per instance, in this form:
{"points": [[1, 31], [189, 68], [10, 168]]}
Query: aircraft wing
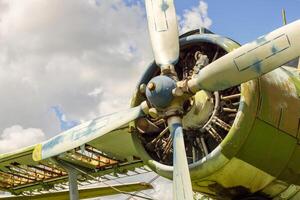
{"points": [[106, 156], [85, 193]]}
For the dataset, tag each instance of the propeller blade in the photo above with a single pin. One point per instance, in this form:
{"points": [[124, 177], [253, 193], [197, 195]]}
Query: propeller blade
{"points": [[163, 29], [182, 186], [250, 61], [85, 132]]}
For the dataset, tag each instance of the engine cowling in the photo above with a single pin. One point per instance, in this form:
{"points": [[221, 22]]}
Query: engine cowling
{"points": [[208, 117], [240, 142]]}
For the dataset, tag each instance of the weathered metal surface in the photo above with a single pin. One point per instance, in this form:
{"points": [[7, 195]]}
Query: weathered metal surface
{"points": [[86, 192], [250, 61], [264, 138], [260, 154], [200, 112], [243, 123], [89, 157], [160, 94], [118, 144], [20, 173], [280, 100], [181, 174], [267, 148], [260, 150], [163, 29], [235, 180], [291, 173], [72, 182], [85, 133], [223, 43]]}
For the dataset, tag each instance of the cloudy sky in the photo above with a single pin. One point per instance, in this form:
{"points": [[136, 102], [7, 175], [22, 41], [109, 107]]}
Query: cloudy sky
{"points": [[71, 60], [81, 57]]}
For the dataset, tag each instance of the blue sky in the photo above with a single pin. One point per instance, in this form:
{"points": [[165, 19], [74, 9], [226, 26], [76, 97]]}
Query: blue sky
{"points": [[244, 21]]}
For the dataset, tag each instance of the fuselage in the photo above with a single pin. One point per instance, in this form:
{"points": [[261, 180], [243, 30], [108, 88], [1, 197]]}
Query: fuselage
{"points": [[260, 155]]}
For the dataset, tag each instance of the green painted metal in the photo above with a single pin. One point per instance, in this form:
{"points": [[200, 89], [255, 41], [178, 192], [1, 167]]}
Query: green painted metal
{"points": [[261, 147], [23, 158], [244, 121], [266, 131], [291, 172], [267, 148], [280, 103], [111, 143], [235, 179], [20, 156], [87, 193], [85, 132]]}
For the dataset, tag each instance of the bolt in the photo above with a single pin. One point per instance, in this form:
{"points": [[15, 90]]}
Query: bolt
{"points": [[143, 88], [166, 69], [151, 86], [131, 129], [177, 92], [153, 113]]}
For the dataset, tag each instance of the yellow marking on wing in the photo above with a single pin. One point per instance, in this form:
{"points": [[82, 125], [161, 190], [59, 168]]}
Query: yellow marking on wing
{"points": [[37, 153]]}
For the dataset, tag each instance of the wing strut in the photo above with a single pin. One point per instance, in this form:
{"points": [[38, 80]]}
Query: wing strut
{"points": [[73, 171], [72, 176]]}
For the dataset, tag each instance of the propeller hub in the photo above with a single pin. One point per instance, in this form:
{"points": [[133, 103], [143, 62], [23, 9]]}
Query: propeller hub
{"points": [[159, 91]]}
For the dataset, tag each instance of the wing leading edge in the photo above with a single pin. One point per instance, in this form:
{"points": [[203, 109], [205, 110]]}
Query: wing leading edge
{"points": [[20, 173]]}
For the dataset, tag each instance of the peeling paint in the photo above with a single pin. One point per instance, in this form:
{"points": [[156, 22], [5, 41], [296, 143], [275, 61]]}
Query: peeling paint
{"points": [[87, 132]]}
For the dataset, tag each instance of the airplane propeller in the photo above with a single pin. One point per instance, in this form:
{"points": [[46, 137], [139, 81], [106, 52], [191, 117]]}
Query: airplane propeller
{"points": [[182, 186], [243, 64], [163, 29], [250, 61], [165, 93]]}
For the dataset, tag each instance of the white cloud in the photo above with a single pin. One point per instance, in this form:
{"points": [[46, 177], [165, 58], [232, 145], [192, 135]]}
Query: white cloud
{"points": [[61, 52], [96, 92], [16, 137], [195, 17]]}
